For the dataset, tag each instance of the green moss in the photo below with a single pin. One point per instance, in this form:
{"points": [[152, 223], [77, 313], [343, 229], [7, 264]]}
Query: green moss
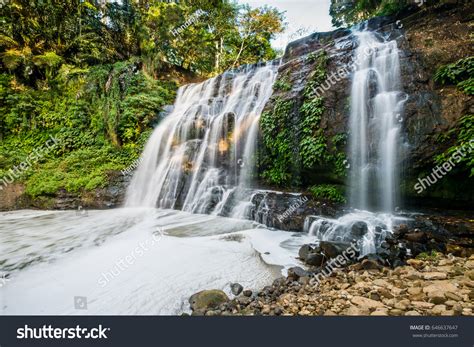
{"points": [[329, 192], [433, 255]]}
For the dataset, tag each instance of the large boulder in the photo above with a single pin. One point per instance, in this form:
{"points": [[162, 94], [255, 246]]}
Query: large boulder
{"points": [[332, 248], [207, 299]]}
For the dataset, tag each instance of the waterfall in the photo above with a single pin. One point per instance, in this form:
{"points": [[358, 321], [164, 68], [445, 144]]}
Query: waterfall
{"points": [[375, 122], [374, 148], [203, 152]]}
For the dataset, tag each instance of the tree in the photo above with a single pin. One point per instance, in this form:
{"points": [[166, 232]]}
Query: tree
{"points": [[350, 12]]}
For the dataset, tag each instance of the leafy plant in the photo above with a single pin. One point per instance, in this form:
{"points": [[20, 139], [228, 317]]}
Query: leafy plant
{"points": [[277, 139], [461, 151], [460, 73], [282, 84], [330, 192]]}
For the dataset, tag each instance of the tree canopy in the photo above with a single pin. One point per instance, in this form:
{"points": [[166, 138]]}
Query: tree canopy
{"points": [[39, 37], [96, 74]]}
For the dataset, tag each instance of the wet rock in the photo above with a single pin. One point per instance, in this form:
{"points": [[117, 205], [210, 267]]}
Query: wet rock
{"points": [[401, 230], [359, 229], [416, 237], [247, 293], [304, 251], [207, 299], [244, 300], [236, 288], [368, 264], [294, 273], [315, 259], [332, 249]]}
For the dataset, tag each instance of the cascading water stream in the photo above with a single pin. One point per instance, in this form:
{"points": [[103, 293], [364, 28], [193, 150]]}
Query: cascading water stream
{"points": [[376, 106], [202, 154], [374, 143]]}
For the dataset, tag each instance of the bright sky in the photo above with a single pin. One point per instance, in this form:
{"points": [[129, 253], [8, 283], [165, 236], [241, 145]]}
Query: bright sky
{"points": [[300, 14]]}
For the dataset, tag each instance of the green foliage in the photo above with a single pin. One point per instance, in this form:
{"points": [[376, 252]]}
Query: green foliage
{"points": [[100, 117], [433, 255], [461, 151], [282, 84], [319, 73], [327, 191], [455, 72], [277, 138], [85, 168], [313, 144], [460, 73], [313, 147], [467, 86], [284, 155], [96, 75], [350, 12]]}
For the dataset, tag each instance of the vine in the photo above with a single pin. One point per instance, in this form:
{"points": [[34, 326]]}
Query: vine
{"points": [[277, 140]]}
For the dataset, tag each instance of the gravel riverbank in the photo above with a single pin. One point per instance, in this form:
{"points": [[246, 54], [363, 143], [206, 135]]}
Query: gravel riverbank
{"points": [[435, 285]]}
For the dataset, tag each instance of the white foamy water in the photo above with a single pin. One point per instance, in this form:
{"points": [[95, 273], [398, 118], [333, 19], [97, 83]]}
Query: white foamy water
{"points": [[202, 154], [131, 261]]}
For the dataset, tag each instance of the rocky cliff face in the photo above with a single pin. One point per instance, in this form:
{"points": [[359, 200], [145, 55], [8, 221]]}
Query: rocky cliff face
{"points": [[428, 39]]}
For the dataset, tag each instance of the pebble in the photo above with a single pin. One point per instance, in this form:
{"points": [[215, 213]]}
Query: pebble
{"points": [[420, 288]]}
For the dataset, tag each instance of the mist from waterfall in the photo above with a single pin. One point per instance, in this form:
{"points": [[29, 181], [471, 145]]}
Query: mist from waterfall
{"points": [[375, 123], [202, 152]]}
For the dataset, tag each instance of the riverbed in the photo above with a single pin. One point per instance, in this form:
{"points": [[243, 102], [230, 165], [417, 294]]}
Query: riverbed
{"points": [[133, 261]]}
